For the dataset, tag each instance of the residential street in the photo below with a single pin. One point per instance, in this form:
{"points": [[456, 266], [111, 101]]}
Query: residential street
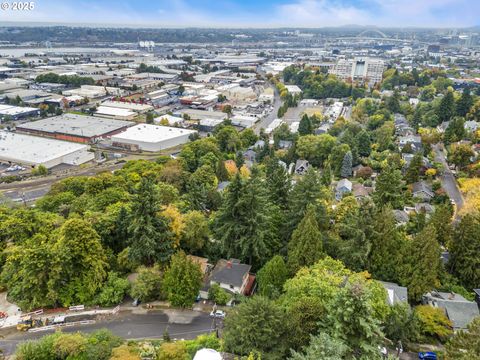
{"points": [[449, 183], [151, 325], [264, 122]]}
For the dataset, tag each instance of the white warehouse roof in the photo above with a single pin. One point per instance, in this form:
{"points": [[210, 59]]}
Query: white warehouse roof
{"points": [[33, 150], [153, 137]]}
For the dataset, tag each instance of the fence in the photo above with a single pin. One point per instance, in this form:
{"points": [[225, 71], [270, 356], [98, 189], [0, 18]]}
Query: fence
{"points": [[70, 324], [76, 308]]}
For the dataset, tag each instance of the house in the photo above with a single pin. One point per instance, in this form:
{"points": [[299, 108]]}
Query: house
{"points": [[424, 208], [222, 186], [285, 144], [459, 310], [260, 144], [395, 293], [250, 155], [401, 217], [422, 190], [301, 167], [471, 126], [323, 129], [415, 141], [361, 192], [343, 187], [231, 276]]}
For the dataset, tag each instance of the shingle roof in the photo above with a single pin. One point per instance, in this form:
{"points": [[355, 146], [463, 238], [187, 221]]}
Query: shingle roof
{"points": [[230, 275]]}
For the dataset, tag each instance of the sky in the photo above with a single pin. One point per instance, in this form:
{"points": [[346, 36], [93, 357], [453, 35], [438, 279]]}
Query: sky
{"points": [[253, 13]]}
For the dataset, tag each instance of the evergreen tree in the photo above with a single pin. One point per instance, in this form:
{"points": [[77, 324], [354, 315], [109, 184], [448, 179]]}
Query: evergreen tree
{"points": [[278, 182], [464, 103], [346, 170], [393, 103], [306, 191], [385, 258], [465, 250], [272, 276], [150, 240], [364, 143], [222, 173], [423, 264], [388, 190], [455, 130], [412, 174], [306, 244], [326, 178], [441, 220], [305, 127], [446, 109], [352, 320], [250, 234]]}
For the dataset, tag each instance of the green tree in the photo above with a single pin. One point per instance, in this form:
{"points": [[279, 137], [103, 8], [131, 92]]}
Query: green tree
{"points": [[465, 262], [346, 169], [460, 155], [255, 325], [306, 244], [150, 239], [149, 118], [336, 157], [195, 232], [352, 320], [400, 323], [446, 108], [423, 266], [272, 276], [433, 322], [80, 264], [385, 258], [246, 228], [305, 127], [364, 143], [315, 149], [113, 291], [412, 174], [322, 346], [228, 139], [182, 280], [218, 295], [465, 345], [278, 182], [388, 189], [464, 103], [441, 220], [148, 285]]}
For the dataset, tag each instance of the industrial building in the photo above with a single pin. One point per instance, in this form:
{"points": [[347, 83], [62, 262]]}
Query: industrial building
{"points": [[147, 137], [359, 69], [139, 108], [115, 113], [34, 151], [77, 128], [17, 112]]}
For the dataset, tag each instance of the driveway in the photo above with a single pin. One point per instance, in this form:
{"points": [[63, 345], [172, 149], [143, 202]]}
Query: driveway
{"points": [[180, 325], [449, 183]]}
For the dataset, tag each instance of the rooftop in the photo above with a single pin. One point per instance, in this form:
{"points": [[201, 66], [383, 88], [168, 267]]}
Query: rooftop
{"points": [[32, 149], [80, 125], [152, 133]]}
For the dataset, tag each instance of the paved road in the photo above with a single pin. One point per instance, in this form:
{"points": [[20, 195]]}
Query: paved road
{"points": [[449, 183], [265, 121], [129, 326]]}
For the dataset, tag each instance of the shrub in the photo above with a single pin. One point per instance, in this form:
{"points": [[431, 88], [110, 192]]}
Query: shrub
{"points": [[219, 295], [433, 322]]}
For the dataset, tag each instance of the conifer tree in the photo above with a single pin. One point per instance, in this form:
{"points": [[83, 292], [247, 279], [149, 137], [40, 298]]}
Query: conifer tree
{"points": [[346, 170], [388, 190], [305, 126], [306, 244], [412, 174], [278, 182], [364, 144], [423, 266], [446, 109], [464, 103]]}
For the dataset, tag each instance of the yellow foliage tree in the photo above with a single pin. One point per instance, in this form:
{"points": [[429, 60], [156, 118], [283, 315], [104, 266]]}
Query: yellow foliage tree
{"points": [[471, 192], [244, 172], [176, 221], [231, 167]]}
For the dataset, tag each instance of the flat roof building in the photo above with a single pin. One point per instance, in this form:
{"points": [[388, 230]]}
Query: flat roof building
{"points": [[154, 138], [17, 112], [115, 113], [73, 127], [359, 69], [34, 151], [139, 108]]}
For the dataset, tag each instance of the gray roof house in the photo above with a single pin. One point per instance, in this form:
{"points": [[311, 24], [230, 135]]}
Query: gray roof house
{"points": [[250, 155], [301, 167], [422, 190], [459, 310], [395, 293], [343, 187], [401, 217], [231, 276]]}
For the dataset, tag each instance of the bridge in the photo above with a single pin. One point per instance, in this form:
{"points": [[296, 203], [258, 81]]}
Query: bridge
{"points": [[372, 31]]}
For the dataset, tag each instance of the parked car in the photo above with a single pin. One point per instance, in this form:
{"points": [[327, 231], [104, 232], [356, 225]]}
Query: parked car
{"points": [[220, 314], [136, 302], [427, 355]]}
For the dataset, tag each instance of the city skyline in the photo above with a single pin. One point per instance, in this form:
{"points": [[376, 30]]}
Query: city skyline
{"points": [[266, 14]]}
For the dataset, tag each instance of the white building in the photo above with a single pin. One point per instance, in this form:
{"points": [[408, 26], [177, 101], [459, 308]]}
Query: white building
{"points": [[293, 89], [273, 125], [359, 69], [139, 108], [34, 151], [115, 113], [154, 138], [93, 91]]}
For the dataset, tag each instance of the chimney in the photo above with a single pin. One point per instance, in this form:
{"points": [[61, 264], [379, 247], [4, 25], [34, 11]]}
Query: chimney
{"points": [[229, 264]]}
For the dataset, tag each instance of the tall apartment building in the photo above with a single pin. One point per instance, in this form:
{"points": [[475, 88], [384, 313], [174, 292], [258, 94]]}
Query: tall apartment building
{"points": [[359, 69]]}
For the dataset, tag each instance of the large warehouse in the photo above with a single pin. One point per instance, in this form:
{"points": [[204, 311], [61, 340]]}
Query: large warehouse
{"points": [[34, 151], [151, 137], [77, 128]]}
